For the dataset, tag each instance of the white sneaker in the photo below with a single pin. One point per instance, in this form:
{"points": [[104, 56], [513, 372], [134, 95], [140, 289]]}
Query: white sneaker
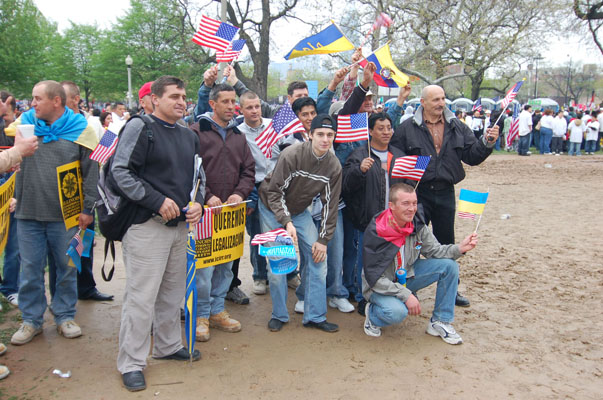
{"points": [[13, 299], [445, 331], [25, 334], [340, 303], [259, 287], [69, 329], [369, 328], [4, 372], [299, 307]]}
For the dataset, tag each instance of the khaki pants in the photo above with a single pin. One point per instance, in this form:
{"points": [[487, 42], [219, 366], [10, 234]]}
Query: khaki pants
{"points": [[155, 261]]}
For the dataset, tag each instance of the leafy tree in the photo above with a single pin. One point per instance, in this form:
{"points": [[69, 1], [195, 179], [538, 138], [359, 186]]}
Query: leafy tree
{"points": [[25, 40]]}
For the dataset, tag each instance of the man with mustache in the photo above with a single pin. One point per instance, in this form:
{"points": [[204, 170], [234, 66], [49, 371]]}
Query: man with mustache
{"points": [[435, 131]]}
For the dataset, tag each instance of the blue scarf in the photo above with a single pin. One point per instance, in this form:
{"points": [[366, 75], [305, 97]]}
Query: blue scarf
{"points": [[69, 127]]}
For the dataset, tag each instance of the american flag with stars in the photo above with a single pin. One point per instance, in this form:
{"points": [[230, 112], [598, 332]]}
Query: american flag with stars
{"points": [[204, 229], [105, 148], [284, 123], [232, 53], [274, 235], [214, 34], [410, 167], [510, 95], [352, 128]]}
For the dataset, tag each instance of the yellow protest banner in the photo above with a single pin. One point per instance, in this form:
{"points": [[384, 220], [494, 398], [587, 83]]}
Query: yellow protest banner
{"points": [[227, 240], [69, 180], [7, 191]]}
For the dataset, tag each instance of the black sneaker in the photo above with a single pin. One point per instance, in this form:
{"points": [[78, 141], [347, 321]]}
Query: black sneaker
{"points": [[361, 306], [182, 355], [134, 381], [461, 301], [237, 296], [275, 325], [323, 326]]}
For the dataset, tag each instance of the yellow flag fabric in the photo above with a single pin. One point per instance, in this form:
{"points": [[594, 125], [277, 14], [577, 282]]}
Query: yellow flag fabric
{"points": [[329, 40], [387, 74]]}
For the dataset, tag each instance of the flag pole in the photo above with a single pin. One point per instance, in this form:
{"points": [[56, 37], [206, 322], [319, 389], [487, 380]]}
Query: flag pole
{"points": [[364, 58], [229, 204], [480, 216]]}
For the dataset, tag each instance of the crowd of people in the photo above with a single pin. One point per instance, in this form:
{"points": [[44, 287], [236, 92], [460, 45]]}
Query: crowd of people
{"points": [[367, 241]]}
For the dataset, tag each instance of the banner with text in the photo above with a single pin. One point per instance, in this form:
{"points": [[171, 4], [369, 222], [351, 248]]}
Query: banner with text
{"points": [[227, 240], [69, 179], [7, 191]]}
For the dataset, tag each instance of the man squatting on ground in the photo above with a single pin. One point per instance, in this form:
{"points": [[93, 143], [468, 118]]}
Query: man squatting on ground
{"points": [[394, 240]]}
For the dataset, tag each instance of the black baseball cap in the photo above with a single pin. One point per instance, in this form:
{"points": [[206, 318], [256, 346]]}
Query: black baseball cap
{"points": [[323, 121]]}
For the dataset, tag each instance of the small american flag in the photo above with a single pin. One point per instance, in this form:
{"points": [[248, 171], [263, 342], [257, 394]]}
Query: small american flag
{"points": [[272, 236], [466, 215], [511, 95], [204, 229], [514, 126], [284, 123], [105, 148], [352, 128], [214, 34], [232, 53], [410, 167], [477, 106], [77, 244]]}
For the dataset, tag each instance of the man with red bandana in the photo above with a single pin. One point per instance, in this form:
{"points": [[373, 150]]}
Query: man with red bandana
{"points": [[393, 242]]}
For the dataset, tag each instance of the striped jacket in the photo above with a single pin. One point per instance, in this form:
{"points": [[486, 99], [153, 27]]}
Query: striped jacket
{"points": [[296, 179]]}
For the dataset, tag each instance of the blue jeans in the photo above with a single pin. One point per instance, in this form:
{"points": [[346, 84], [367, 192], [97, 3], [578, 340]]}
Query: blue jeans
{"points": [[591, 146], [546, 135], [335, 287], [212, 285], [252, 225], [524, 144], [389, 310], [359, 266], [497, 144], [36, 239], [536, 139], [313, 276], [574, 149], [12, 260], [350, 246]]}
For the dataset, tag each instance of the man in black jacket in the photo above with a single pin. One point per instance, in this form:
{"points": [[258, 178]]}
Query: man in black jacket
{"points": [[367, 179], [435, 131]]}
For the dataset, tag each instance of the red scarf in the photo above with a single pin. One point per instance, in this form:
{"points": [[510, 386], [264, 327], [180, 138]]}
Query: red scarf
{"points": [[388, 228]]}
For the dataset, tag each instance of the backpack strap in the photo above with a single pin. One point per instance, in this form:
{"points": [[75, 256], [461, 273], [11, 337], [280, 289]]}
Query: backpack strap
{"points": [[109, 244]]}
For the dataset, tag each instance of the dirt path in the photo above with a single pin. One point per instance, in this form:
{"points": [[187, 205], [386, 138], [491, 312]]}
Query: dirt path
{"points": [[533, 330]]}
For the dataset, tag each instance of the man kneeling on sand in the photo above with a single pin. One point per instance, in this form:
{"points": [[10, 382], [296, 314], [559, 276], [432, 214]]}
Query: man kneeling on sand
{"points": [[393, 242]]}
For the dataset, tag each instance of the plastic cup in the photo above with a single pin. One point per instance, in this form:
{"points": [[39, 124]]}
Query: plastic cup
{"points": [[26, 130], [401, 276]]}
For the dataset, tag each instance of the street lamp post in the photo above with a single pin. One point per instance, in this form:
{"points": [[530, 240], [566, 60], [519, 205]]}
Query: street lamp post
{"points": [[129, 62], [569, 77]]}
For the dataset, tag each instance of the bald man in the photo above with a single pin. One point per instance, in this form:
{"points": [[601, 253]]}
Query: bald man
{"points": [[435, 131]]}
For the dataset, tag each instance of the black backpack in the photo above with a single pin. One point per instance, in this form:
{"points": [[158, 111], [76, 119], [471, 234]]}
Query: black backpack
{"points": [[114, 211]]}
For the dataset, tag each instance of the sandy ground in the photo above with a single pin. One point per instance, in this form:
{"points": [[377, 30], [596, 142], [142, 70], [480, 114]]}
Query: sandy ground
{"points": [[533, 330]]}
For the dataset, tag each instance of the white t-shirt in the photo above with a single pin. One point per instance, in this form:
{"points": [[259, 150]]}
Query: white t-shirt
{"points": [[600, 119], [559, 127], [547, 121], [576, 132], [592, 130], [525, 123]]}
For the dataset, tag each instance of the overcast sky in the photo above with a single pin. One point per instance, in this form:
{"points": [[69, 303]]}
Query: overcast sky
{"points": [[105, 13]]}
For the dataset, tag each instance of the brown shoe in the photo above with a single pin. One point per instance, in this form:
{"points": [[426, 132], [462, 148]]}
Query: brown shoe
{"points": [[223, 322], [202, 332]]}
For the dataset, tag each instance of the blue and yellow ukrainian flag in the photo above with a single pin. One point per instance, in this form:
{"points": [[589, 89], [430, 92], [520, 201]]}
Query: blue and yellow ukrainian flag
{"points": [[472, 202], [329, 40], [387, 74]]}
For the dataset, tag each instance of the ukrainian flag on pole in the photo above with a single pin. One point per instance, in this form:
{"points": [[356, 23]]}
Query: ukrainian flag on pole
{"points": [[472, 202], [329, 40]]}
